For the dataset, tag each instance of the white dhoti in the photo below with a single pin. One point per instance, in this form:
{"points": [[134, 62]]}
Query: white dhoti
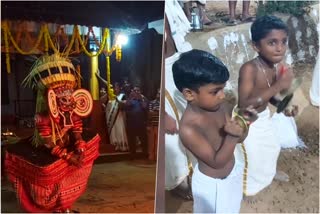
{"points": [[116, 122], [179, 25], [262, 149], [287, 125], [176, 155], [213, 195], [118, 136]]}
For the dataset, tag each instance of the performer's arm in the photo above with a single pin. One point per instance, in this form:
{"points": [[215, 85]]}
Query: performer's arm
{"points": [[80, 144], [43, 126]]}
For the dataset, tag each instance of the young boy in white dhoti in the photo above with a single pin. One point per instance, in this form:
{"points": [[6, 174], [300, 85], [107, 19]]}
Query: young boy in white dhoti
{"points": [[209, 134], [259, 82]]}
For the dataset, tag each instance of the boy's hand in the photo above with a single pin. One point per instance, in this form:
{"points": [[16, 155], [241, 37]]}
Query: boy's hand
{"points": [[170, 125], [232, 127], [285, 77], [250, 114], [291, 111]]}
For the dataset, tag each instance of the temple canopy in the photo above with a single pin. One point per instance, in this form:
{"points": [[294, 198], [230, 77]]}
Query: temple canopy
{"points": [[111, 14]]}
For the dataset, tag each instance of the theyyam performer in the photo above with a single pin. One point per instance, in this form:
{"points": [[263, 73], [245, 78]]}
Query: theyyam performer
{"points": [[50, 170]]}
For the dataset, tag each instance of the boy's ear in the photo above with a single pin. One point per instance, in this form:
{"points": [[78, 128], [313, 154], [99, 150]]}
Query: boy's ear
{"points": [[188, 94], [255, 47]]}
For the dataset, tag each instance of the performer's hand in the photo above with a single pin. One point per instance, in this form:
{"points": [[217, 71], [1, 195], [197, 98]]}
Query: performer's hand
{"points": [[291, 111], [170, 124], [285, 77], [250, 114], [233, 128], [76, 159]]}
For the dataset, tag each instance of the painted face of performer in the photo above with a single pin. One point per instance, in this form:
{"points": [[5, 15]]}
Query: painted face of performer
{"points": [[65, 101]]}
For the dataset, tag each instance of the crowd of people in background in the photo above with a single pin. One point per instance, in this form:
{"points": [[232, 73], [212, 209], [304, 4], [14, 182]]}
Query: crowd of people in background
{"points": [[132, 120]]}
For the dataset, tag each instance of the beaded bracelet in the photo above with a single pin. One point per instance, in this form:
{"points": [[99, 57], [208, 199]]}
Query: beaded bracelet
{"points": [[58, 151], [68, 156], [80, 146]]}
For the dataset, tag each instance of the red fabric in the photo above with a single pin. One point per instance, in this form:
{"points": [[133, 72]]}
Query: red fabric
{"points": [[43, 125], [77, 123], [54, 187]]}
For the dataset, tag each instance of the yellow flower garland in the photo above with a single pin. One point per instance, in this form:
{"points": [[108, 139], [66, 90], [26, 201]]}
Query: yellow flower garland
{"points": [[104, 38], [71, 42], [6, 28], [48, 38], [76, 40], [6, 42]]}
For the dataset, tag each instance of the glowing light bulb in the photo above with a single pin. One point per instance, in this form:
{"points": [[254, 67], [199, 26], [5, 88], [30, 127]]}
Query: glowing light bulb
{"points": [[122, 39]]}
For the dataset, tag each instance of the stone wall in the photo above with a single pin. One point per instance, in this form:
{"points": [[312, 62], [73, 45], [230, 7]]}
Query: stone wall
{"points": [[233, 44]]}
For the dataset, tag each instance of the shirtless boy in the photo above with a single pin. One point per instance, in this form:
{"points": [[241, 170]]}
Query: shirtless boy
{"points": [[260, 80], [208, 132]]}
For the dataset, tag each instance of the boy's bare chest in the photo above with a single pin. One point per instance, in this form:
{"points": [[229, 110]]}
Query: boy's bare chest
{"points": [[214, 131], [265, 79]]}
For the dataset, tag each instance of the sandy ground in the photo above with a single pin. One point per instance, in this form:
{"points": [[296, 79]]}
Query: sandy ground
{"points": [[218, 12], [121, 187], [301, 193]]}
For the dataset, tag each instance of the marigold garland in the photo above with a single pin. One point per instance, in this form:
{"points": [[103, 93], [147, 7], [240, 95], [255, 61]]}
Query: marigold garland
{"points": [[6, 28], [6, 42], [72, 41], [76, 41]]}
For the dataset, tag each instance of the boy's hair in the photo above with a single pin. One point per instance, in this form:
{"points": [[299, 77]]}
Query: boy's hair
{"points": [[264, 25], [196, 68]]}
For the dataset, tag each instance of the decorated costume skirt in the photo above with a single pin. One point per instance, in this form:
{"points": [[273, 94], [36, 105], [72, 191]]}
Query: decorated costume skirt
{"points": [[44, 183]]}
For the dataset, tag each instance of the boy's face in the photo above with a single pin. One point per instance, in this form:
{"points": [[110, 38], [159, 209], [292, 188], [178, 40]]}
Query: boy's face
{"points": [[209, 97], [273, 47]]}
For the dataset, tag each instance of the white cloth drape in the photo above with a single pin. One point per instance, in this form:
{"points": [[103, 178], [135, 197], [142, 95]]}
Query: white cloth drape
{"points": [[176, 155], [262, 148], [287, 125], [118, 135], [179, 25]]}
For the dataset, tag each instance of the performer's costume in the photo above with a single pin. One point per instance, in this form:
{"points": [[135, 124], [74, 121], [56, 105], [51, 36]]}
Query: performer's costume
{"points": [[51, 169], [214, 195], [116, 123], [262, 150]]}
